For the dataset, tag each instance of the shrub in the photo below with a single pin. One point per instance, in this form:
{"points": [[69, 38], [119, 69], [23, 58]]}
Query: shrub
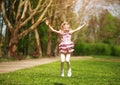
{"points": [[102, 49], [115, 50], [79, 49], [92, 49], [82, 48]]}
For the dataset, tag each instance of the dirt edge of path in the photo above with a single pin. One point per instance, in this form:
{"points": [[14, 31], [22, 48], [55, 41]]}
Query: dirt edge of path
{"points": [[11, 66]]}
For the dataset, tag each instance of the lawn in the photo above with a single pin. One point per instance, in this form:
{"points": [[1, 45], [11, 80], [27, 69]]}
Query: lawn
{"points": [[85, 72]]}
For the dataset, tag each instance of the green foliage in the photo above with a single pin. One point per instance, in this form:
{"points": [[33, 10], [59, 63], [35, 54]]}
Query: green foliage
{"points": [[116, 50], [102, 49], [109, 29], [80, 48], [85, 72], [96, 49], [43, 34], [27, 45], [109, 23]]}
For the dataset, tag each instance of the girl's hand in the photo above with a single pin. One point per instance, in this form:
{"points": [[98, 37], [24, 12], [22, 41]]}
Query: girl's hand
{"points": [[84, 23], [47, 22]]}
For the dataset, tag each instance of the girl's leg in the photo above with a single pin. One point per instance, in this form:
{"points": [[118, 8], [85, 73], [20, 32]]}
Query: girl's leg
{"points": [[68, 64], [68, 60], [62, 64]]}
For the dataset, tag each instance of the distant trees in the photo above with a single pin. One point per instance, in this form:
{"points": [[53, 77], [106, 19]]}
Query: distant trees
{"points": [[109, 30], [101, 23], [23, 16]]}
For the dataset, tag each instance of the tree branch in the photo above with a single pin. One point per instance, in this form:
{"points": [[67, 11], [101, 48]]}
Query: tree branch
{"points": [[36, 23], [13, 4], [32, 14], [25, 9], [29, 7], [21, 3], [7, 22]]}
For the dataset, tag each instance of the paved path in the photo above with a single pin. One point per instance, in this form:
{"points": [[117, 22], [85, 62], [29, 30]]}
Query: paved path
{"points": [[16, 65]]}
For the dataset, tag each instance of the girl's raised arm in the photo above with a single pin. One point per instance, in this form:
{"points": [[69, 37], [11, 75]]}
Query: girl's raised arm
{"points": [[78, 28], [47, 23]]}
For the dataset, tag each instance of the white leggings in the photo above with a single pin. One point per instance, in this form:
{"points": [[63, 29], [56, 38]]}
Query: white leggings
{"points": [[65, 58]]}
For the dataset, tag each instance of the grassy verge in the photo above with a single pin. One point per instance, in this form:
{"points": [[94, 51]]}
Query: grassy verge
{"points": [[106, 57], [85, 72]]}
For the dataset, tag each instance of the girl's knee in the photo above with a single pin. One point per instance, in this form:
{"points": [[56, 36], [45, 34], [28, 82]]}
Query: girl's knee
{"points": [[67, 60], [62, 60]]}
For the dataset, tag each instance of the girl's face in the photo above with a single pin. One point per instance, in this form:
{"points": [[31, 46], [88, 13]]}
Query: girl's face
{"points": [[66, 27]]}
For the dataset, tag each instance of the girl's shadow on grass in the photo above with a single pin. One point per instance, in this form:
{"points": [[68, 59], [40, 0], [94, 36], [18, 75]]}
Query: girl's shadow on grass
{"points": [[59, 83]]}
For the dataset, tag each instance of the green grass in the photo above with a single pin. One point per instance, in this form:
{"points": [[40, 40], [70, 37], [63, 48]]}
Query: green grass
{"points": [[106, 57], [85, 72]]}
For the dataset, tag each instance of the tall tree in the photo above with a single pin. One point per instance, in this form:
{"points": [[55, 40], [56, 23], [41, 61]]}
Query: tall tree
{"points": [[22, 13], [1, 25]]}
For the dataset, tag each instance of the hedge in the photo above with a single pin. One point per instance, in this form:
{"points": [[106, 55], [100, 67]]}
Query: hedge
{"points": [[82, 48]]}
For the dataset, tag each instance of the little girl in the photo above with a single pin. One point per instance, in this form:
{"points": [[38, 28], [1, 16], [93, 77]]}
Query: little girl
{"points": [[66, 45]]}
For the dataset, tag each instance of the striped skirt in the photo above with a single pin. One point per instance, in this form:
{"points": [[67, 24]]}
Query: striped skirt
{"points": [[66, 48]]}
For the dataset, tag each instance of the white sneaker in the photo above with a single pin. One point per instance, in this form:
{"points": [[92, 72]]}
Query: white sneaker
{"points": [[69, 74], [62, 73]]}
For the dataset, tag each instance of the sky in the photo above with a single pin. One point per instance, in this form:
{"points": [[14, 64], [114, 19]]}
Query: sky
{"points": [[4, 26], [97, 7]]}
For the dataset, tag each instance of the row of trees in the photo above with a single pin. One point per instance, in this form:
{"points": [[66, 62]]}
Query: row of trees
{"points": [[22, 18], [27, 34]]}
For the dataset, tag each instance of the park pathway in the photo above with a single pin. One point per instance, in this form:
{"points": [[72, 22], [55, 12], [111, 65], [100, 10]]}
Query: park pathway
{"points": [[11, 66]]}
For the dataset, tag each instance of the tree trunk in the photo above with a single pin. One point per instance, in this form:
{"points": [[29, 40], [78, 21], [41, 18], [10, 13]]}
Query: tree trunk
{"points": [[39, 51], [56, 53], [1, 25], [0, 42], [12, 50], [0, 50], [49, 44]]}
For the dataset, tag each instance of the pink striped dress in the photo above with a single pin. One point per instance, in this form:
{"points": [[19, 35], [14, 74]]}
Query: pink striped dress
{"points": [[66, 45]]}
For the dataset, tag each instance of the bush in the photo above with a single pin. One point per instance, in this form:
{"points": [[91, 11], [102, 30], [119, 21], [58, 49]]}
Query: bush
{"points": [[83, 49], [89, 49], [102, 49], [115, 50], [79, 49], [92, 49]]}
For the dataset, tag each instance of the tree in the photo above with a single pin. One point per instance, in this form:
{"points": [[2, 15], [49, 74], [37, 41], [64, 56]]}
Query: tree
{"points": [[22, 12], [1, 25]]}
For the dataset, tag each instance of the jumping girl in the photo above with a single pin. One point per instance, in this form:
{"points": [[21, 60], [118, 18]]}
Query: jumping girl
{"points": [[66, 45]]}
